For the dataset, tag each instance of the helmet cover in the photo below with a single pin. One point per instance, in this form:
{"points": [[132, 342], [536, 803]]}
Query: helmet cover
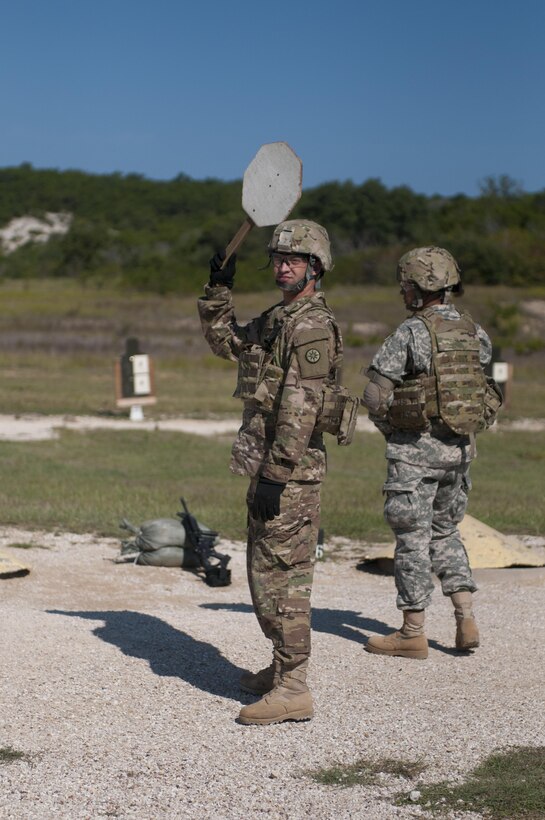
{"points": [[305, 237], [431, 269]]}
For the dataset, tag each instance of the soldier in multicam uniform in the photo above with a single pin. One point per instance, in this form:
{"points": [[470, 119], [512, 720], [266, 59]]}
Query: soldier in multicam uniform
{"points": [[285, 358], [428, 395]]}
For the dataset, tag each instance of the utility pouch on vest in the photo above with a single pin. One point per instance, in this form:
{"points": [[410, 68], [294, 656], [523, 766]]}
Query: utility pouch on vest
{"points": [[338, 414], [250, 365], [267, 389], [349, 418], [408, 408], [493, 400]]}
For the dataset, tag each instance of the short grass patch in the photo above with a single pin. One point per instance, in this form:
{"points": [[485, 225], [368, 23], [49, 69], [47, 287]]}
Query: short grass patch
{"points": [[366, 772], [88, 482], [9, 755], [507, 481], [508, 784], [25, 545]]}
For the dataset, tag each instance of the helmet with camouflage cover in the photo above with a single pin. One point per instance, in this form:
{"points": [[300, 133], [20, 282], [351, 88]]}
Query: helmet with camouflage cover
{"points": [[432, 269], [305, 237]]}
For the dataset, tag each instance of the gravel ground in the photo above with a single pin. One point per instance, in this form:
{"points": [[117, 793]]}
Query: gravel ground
{"points": [[119, 683]]}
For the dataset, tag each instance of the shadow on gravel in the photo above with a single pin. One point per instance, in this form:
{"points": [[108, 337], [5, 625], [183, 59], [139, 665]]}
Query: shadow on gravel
{"points": [[168, 651], [345, 623]]}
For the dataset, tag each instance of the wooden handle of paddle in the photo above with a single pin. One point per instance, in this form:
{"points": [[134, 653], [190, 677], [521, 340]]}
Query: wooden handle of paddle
{"points": [[238, 239]]}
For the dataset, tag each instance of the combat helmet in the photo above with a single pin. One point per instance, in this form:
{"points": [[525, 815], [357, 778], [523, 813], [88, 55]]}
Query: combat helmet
{"points": [[432, 269], [305, 237]]}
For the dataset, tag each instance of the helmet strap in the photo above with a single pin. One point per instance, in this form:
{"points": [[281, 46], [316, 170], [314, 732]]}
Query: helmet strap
{"points": [[423, 298], [309, 275], [267, 265], [418, 301], [430, 296]]}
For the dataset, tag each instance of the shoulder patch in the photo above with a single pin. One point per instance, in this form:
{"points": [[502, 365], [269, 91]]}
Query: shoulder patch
{"points": [[312, 351]]}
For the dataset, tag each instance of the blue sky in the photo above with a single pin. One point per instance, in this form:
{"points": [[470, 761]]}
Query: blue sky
{"points": [[432, 94]]}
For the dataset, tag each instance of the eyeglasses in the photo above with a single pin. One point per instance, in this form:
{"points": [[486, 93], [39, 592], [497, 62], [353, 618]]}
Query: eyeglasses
{"points": [[292, 262]]}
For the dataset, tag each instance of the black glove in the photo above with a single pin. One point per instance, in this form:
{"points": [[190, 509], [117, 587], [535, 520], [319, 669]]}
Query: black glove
{"points": [[267, 499], [226, 276]]}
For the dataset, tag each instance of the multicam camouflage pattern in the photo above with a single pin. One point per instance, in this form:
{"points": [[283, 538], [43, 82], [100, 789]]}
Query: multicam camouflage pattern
{"points": [[280, 561], [285, 358], [408, 352], [423, 506], [459, 393], [302, 236], [431, 268], [282, 392]]}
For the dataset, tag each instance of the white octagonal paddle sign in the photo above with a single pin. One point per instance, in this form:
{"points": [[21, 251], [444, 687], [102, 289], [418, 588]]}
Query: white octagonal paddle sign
{"points": [[272, 184]]}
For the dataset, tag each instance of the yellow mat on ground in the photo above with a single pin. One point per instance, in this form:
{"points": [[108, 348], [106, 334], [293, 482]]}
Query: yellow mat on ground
{"points": [[486, 548], [10, 568]]}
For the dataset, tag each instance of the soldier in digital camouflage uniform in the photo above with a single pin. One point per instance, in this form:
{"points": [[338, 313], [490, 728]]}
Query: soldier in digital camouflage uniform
{"points": [[285, 356], [428, 395]]}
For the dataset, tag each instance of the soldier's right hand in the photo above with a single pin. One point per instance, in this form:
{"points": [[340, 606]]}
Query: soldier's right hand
{"points": [[226, 276], [266, 504]]}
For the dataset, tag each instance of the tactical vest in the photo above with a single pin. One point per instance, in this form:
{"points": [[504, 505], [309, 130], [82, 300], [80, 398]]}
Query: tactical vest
{"points": [[452, 397], [260, 378]]}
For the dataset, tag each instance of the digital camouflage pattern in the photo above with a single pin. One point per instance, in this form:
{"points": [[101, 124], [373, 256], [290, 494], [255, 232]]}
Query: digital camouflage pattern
{"points": [[423, 507], [428, 475], [408, 351], [454, 393], [277, 438], [280, 562]]}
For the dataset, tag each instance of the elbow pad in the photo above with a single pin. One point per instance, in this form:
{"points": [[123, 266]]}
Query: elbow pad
{"points": [[377, 393]]}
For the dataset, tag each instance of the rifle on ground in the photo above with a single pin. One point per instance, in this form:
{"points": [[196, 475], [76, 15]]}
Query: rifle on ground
{"points": [[213, 563]]}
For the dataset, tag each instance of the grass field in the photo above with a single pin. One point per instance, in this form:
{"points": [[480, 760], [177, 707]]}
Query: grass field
{"points": [[58, 342], [89, 481]]}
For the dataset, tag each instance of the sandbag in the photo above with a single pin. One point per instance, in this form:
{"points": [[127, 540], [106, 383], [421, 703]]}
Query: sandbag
{"points": [[160, 542], [183, 557], [169, 542]]}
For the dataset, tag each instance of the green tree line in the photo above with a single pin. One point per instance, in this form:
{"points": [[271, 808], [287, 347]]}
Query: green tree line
{"points": [[159, 235]]}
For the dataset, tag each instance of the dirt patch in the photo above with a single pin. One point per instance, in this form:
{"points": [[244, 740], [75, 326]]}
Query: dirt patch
{"points": [[41, 428], [34, 427], [534, 308]]}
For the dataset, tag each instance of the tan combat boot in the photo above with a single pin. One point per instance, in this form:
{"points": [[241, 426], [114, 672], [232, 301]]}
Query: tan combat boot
{"points": [[467, 634], [409, 642], [289, 700], [263, 681]]}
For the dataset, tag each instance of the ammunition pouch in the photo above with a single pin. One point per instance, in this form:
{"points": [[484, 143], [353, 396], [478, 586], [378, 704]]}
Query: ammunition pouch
{"points": [[408, 408], [250, 365], [338, 414], [269, 385], [258, 379]]}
